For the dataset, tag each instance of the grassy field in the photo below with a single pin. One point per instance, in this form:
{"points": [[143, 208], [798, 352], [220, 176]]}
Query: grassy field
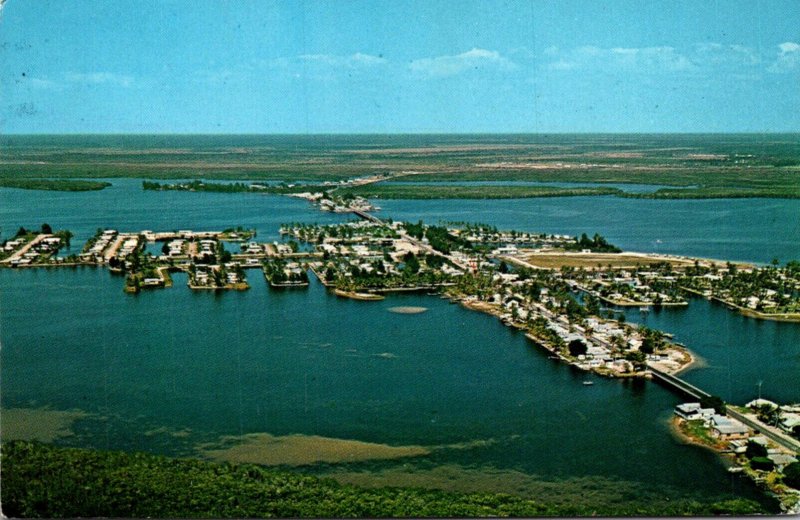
{"points": [[592, 260], [46, 481], [686, 166]]}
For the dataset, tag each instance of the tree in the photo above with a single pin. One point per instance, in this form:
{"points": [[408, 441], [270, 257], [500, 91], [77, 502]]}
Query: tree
{"points": [[762, 463], [714, 402], [592, 304], [411, 264], [66, 237], [636, 357], [755, 449], [769, 414], [47, 229], [791, 475], [577, 348], [21, 232]]}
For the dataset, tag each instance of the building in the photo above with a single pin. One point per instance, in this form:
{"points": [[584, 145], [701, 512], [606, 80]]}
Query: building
{"points": [[725, 428]]}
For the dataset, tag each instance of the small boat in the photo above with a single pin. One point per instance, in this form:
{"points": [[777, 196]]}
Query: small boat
{"points": [[553, 357], [644, 309], [588, 383]]}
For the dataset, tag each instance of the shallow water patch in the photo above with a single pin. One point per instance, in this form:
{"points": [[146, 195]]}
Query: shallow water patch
{"points": [[40, 424], [407, 310], [298, 450]]}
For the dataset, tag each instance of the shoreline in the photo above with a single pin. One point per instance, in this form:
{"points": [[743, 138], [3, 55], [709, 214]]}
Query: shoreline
{"points": [[785, 317], [493, 311], [358, 295], [731, 460]]}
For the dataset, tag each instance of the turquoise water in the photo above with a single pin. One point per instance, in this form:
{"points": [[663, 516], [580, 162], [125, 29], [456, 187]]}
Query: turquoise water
{"points": [[303, 362], [125, 206], [754, 230], [306, 362], [736, 351]]}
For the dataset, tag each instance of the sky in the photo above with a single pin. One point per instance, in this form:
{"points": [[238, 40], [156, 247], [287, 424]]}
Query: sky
{"points": [[352, 66]]}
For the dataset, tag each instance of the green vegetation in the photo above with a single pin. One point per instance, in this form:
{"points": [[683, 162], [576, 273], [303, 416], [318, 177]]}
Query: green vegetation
{"points": [[46, 481], [762, 463], [596, 244], [727, 192], [684, 166], [771, 290], [233, 187], [280, 273], [791, 475], [576, 348], [714, 402], [53, 185], [411, 191], [755, 450], [698, 430], [438, 237]]}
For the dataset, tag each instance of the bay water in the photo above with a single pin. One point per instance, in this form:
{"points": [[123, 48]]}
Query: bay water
{"points": [[175, 371]]}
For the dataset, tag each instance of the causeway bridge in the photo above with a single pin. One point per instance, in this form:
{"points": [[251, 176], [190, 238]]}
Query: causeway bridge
{"points": [[774, 434], [676, 383], [366, 216]]}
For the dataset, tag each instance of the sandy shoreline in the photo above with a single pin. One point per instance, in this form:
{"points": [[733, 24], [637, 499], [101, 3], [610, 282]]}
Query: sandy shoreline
{"points": [[358, 295]]}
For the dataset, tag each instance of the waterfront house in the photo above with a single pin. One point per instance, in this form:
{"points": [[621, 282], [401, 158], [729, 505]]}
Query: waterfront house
{"points": [[755, 403], [781, 460], [738, 446], [725, 428], [688, 411], [790, 421]]}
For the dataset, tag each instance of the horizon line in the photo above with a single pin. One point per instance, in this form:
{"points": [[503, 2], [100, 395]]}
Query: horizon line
{"points": [[310, 134]]}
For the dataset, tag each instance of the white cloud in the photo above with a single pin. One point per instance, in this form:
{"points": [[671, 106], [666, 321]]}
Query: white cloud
{"points": [[631, 59], [788, 58], [474, 59], [99, 78], [357, 60], [325, 67], [720, 55]]}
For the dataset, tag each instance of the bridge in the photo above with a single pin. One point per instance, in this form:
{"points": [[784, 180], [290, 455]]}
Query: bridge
{"points": [[774, 434], [670, 381], [676, 383], [366, 216]]}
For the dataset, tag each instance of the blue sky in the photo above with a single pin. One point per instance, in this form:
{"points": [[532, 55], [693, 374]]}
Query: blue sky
{"points": [[350, 66]]}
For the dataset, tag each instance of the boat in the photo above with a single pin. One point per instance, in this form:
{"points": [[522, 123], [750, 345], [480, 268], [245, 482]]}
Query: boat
{"points": [[588, 383], [644, 309]]}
